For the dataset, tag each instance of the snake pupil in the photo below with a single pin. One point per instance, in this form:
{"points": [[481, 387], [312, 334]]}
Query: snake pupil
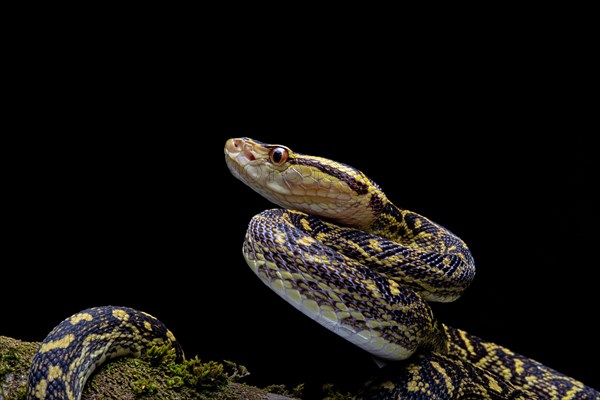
{"points": [[278, 155]]}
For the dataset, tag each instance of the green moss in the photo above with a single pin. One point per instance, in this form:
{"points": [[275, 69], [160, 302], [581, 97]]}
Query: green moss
{"points": [[282, 390], [235, 371], [158, 355], [15, 357], [193, 373], [8, 361], [331, 393], [203, 376], [156, 375], [144, 387]]}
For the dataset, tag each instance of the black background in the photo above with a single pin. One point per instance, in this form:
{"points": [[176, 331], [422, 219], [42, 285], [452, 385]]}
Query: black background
{"points": [[116, 190]]}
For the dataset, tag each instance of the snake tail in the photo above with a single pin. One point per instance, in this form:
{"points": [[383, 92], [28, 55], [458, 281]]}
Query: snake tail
{"points": [[79, 344]]}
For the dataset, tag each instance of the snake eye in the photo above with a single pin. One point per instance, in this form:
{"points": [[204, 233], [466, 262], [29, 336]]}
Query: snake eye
{"points": [[278, 155]]}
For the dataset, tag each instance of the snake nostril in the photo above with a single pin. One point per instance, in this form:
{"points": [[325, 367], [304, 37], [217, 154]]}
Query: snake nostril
{"points": [[234, 145]]}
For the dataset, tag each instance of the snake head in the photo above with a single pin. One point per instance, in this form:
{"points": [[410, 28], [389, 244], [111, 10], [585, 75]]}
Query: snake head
{"points": [[251, 158], [313, 185]]}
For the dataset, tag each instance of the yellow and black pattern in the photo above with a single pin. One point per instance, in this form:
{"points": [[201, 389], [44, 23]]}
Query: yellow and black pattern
{"points": [[344, 255], [308, 262], [82, 342], [437, 376], [521, 372], [472, 368]]}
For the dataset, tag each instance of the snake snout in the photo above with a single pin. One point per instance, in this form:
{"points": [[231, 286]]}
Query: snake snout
{"points": [[233, 146], [239, 150]]}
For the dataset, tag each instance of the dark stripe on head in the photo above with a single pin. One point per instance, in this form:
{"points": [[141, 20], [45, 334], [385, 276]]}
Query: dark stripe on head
{"points": [[358, 187]]}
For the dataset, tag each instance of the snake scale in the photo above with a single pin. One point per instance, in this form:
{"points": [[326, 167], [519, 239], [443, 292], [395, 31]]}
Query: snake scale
{"points": [[343, 254], [347, 257]]}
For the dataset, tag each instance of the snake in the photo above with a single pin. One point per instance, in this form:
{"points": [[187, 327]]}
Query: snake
{"points": [[344, 255], [339, 251]]}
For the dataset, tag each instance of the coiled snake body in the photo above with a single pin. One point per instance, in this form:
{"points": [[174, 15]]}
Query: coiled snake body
{"points": [[347, 257]]}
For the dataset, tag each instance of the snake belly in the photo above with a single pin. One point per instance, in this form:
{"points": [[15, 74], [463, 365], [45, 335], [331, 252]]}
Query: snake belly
{"points": [[79, 344], [343, 254]]}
